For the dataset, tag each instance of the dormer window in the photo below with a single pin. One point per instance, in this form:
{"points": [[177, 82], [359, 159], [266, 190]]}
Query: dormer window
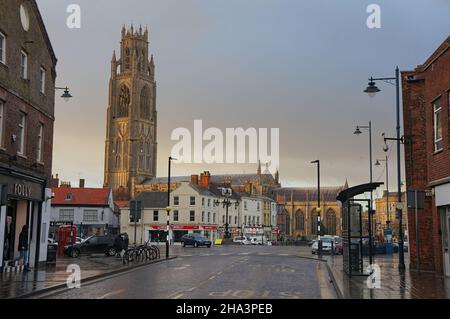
{"points": [[69, 196]]}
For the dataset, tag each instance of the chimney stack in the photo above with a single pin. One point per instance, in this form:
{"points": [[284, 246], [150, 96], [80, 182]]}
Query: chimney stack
{"points": [[194, 179], [205, 179], [54, 181], [82, 181]]}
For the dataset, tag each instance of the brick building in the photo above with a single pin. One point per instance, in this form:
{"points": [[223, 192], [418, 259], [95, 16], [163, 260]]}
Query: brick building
{"points": [[27, 96], [426, 108]]}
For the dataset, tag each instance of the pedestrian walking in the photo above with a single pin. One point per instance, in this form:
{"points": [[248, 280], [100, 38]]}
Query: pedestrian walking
{"points": [[23, 247]]}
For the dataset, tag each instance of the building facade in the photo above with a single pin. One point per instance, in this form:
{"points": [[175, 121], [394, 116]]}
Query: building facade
{"points": [[131, 143], [386, 214], [91, 210], [298, 212], [426, 109], [27, 102]]}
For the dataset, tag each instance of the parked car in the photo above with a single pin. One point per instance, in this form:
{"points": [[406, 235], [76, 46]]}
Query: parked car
{"points": [[92, 245], [326, 246], [239, 239], [195, 240], [52, 241]]}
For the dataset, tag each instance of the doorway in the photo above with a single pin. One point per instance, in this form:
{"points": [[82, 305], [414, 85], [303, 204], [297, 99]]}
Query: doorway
{"points": [[445, 226]]}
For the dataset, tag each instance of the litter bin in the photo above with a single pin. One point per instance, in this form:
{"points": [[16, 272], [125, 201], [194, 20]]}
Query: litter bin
{"points": [[52, 251]]}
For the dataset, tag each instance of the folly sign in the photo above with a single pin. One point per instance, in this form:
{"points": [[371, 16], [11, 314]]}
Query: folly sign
{"points": [[22, 189]]}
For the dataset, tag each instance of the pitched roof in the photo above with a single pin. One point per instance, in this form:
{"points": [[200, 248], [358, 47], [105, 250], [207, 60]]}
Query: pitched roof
{"points": [[81, 196], [309, 193], [152, 199], [121, 203], [236, 179]]}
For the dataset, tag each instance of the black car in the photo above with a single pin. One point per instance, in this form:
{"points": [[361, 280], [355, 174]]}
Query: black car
{"points": [[195, 240], [92, 245]]}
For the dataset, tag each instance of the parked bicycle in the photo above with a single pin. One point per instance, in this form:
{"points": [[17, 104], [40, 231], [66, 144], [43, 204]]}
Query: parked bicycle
{"points": [[141, 253]]}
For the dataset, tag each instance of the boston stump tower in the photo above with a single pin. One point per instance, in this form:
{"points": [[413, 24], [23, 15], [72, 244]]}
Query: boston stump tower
{"points": [[130, 147]]}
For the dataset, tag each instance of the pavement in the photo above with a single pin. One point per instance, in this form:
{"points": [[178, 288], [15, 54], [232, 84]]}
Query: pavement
{"points": [[18, 284], [392, 284]]}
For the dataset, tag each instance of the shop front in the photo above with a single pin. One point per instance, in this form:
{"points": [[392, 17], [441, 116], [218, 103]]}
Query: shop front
{"points": [[442, 198], [23, 206], [157, 233]]}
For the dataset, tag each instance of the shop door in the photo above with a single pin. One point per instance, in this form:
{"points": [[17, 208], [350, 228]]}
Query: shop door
{"points": [[446, 240]]}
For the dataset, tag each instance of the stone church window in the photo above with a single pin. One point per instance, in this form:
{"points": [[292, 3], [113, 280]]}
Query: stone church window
{"points": [[124, 101], [299, 221], [331, 222], [148, 156], [145, 103], [141, 155]]}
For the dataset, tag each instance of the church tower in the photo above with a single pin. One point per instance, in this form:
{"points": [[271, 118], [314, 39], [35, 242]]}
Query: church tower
{"points": [[130, 147]]}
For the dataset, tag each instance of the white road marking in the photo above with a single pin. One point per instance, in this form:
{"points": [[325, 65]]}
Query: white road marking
{"points": [[283, 254], [112, 293], [178, 296], [244, 253], [211, 278], [191, 289]]}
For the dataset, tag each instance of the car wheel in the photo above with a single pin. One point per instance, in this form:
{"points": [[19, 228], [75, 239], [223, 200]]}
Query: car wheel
{"points": [[75, 253], [111, 252], [209, 246], [183, 244], [196, 245]]}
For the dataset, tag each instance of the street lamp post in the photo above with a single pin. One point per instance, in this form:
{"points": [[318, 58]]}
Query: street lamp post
{"points": [[226, 204], [319, 243], [388, 212], [372, 89], [358, 132], [168, 208]]}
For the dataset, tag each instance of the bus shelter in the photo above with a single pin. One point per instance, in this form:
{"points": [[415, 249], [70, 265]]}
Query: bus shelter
{"points": [[357, 229]]}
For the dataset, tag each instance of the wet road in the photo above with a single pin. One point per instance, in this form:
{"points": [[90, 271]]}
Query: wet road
{"points": [[236, 272]]}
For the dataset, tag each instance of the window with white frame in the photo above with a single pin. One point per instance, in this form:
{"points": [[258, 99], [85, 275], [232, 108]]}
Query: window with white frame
{"points": [[245, 220], [175, 215], [209, 217], [203, 217], [245, 205], [257, 220], [258, 206], [209, 202], [40, 143], [21, 135], [192, 216], [176, 200], [203, 201], [42, 80], [66, 215], [2, 48], [438, 140], [214, 218], [2, 110], [192, 200], [155, 215], [68, 197], [23, 65], [235, 220], [90, 215]]}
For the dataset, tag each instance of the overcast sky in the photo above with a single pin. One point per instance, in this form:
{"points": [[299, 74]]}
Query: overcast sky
{"points": [[300, 66]]}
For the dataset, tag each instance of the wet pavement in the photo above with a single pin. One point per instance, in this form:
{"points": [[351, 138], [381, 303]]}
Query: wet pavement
{"points": [[393, 284], [14, 284], [226, 272]]}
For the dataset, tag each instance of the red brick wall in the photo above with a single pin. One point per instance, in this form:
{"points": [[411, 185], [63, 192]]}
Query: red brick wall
{"points": [[12, 108], [422, 164]]}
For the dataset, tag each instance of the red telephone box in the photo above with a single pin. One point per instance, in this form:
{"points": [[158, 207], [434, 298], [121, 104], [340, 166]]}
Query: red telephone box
{"points": [[67, 235]]}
